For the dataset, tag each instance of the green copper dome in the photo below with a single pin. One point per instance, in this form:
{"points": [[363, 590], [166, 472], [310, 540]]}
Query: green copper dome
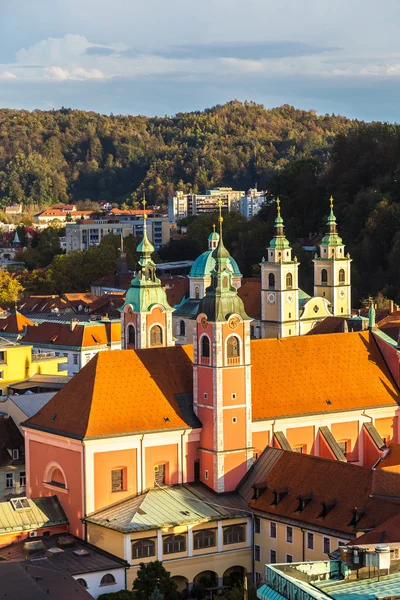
{"points": [[205, 263], [332, 237], [279, 241], [214, 236]]}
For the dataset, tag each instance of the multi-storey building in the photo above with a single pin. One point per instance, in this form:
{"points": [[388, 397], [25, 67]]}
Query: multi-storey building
{"points": [[84, 234], [159, 415], [189, 205], [251, 203]]}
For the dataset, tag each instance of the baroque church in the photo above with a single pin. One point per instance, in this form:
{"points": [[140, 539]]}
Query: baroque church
{"points": [[158, 414], [285, 309]]}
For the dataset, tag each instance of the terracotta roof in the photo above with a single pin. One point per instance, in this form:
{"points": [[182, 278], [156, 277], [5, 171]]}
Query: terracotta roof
{"points": [[342, 486], [122, 391], [42, 304], [351, 375], [108, 304], [319, 374], [175, 288], [250, 293], [110, 281], [387, 532], [80, 298], [61, 334], [15, 323], [131, 211], [330, 325]]}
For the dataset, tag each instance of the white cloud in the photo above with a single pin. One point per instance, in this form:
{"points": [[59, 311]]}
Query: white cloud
{"points": [[77, 74], [7, 75]]}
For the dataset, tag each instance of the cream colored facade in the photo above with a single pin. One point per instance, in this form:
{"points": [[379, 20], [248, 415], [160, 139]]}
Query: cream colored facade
{"points": [[272, 543], [332, 280], [189, 565]]}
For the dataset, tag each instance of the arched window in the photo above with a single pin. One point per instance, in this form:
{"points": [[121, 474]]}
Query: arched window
{"points": [[174, 543], [204, 539], [205, 346], [107, 579], [271, 281], [54, 475], [131, 336], [82, 582], [232, 347], [156, 336], [342, 276], [197, 293], [324, 277], [143, 548], [289, 281], [182, 328]]}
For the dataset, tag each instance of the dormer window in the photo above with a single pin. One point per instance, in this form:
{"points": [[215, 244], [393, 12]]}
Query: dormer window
{"points": [[15, 454], [357, 516], [303, 502], [326, 509], [279, 494]]}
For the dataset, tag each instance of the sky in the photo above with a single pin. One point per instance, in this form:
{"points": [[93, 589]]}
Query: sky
{"points": [[159, 58]]}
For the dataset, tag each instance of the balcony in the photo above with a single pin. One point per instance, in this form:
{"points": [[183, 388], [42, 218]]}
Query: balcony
{"points": [[42, 356], [235, 360]]}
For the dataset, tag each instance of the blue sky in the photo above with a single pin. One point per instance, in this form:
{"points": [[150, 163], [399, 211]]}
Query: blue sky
{"points": [[156, 57]]}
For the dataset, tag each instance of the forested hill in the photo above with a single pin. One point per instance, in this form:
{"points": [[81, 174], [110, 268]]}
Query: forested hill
{"points": [[67, 155], [48, 157]]}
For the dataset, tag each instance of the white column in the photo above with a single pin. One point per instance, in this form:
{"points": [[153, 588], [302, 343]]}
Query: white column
{"points": [[190, 540], [159, 545], [127, 548], [220, 536]]}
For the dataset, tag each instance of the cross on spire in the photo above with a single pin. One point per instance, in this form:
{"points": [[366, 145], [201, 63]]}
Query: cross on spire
{"points": [[144, 206], [331, 202], [278, 205]]}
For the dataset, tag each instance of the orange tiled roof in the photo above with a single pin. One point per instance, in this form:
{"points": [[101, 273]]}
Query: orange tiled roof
{"points": [[15, 323], [290, 377], [387, 532], [121, 392], [42, 304], [349, 485], [61, 334], [130, 211]]}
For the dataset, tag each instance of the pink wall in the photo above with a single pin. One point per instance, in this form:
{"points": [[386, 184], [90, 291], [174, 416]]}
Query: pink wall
{"points": [[192, 454], [158, 455], [391, 356], [348, 431], [104, 463], [40, 456], [260, 441], [371, 452]]}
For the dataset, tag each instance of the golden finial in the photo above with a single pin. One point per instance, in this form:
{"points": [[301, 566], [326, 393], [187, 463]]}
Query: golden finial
{"points": [[331, 202], [278, 206], [214, 227], [220, 218], [144, 206]]}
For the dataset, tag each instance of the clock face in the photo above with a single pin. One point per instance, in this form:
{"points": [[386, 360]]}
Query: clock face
{"points": [[342, 293], [289, 298], [271, 298], [233, 323], [204, 323]]}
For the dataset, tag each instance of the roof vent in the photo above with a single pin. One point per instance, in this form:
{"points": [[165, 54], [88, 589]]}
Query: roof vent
{"points": [[53, 551], [185, 512], [20, 503], [34, 548], [326, 508], [81, 552], [167, 419], [329, 403], [67, 541], [53, 417]]}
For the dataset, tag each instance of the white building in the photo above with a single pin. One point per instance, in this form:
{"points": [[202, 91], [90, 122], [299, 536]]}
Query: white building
{"points": [[188, 205], [251, 203]]}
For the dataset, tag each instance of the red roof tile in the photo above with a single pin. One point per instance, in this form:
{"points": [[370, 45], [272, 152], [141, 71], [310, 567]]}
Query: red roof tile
{"points": [[250, 293], [15, 323]]}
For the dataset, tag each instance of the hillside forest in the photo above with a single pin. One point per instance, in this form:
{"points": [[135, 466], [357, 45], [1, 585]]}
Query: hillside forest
{"points": [[70, 155]]}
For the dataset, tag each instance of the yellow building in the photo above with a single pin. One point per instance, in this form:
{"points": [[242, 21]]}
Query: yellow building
{"points": [[306, 507], [200, 537], [18, 363]]}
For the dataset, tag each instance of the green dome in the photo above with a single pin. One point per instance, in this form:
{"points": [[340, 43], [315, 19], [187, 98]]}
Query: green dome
{"points": [[205, 263], [214, 236]]}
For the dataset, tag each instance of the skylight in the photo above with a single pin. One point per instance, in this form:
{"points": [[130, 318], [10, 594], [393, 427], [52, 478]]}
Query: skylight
{"points": [[20, 503]]}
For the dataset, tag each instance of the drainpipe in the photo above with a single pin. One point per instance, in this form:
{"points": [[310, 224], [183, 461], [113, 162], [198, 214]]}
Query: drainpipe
{"points": [[253, 566], [304, 543], [141, 464]]}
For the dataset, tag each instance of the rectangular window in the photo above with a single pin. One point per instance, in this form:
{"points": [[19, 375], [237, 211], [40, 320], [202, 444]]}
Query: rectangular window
{"points": [[257, 553], [272, 530], [310, 541], [341, 543], [327, 545], [289, 535], [15, 454], [9, 480], [289, 558], [298, 449], [75, 359], [159, 474], [234, 534], [258, 577], [257, 525], [2, 357], [1, 374], [272, 557], [22, 479], [206, 474], [345, 447], [117, 480]]}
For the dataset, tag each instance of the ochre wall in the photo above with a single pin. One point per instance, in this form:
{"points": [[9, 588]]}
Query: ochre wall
{"points": [[301, 436], [348, 431], [157, 455], [104, 462], [40, 456]]}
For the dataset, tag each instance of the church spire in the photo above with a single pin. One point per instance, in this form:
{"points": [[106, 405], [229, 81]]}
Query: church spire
{"points": [[279, 241], [145, 247], [332, 238], [221, 297]]}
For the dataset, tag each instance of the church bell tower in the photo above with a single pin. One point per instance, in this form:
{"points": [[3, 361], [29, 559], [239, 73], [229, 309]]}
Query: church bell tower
{"points": [[222, 378], [332, 272], [146, 317]]}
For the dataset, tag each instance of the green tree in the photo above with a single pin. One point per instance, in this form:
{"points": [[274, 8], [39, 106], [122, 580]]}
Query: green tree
{"points": [[153, 576]]}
